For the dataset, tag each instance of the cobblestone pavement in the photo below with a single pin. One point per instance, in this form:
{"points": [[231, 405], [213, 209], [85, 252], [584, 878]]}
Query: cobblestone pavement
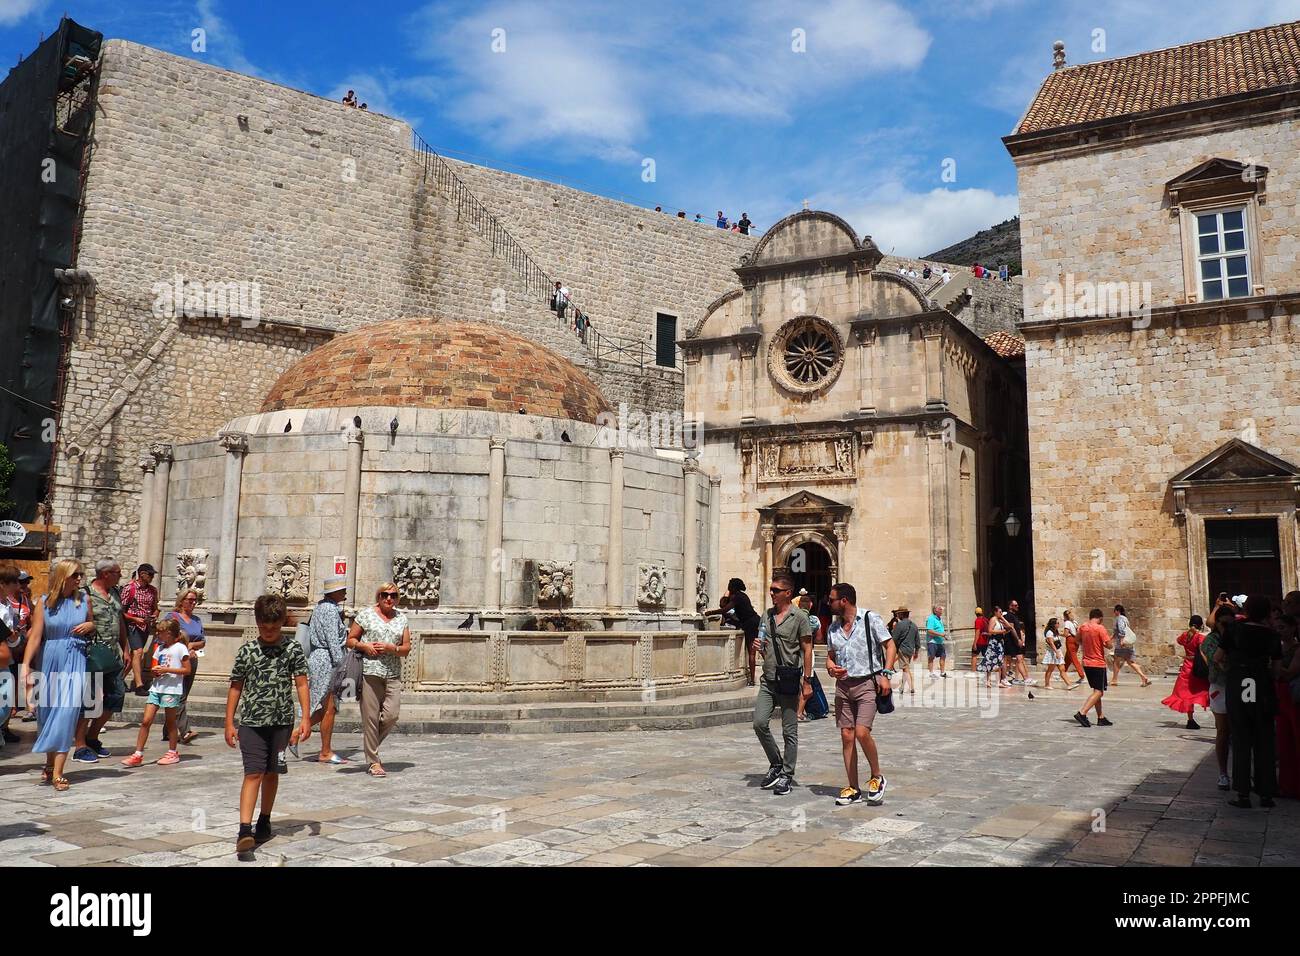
{"points": [[1026, 787]]}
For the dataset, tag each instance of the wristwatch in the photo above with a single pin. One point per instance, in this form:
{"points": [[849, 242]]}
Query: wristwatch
{"points": [[888, 673]]}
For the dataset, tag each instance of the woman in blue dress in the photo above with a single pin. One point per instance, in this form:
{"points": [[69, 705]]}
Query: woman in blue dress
{"points": [[59, 628]]}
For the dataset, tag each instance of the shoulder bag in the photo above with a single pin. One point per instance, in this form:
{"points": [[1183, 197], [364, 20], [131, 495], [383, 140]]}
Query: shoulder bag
{"points": [[789, 678]]}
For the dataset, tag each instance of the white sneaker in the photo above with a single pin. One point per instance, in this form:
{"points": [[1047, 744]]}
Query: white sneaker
{"points": [[1029, 682], [1224, 782]]}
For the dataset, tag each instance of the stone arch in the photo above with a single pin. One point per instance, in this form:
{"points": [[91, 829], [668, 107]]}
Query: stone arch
{"points": [[712, 307], [804, 215], [923, 302], [809, 536]]}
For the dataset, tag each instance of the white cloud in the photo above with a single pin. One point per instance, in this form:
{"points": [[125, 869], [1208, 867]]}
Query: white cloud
{"points": [[916, 224], [224, 45], [594, 79], [11, 11]]}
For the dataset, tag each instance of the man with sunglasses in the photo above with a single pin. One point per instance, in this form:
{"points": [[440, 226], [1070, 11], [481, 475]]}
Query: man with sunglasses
{"points": [[785, 641]]}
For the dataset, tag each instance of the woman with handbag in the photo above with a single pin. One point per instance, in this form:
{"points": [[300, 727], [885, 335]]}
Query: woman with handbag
{"points": [[1125, 649], [1193, 684], [1070, 628], [1054, 655], [60, 626], [326, 656], [994, 656], [108, 653], [387, 640]]}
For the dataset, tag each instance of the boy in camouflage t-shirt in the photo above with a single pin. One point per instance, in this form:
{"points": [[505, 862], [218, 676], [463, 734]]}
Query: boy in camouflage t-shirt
{"points": [[263, 679]]}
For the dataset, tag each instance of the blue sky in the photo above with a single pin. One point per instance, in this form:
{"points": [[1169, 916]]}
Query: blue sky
{"points": [[733, 115]]}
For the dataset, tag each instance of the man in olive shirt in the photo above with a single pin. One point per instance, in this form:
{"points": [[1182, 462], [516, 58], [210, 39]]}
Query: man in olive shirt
{"points": [[785, 641]]}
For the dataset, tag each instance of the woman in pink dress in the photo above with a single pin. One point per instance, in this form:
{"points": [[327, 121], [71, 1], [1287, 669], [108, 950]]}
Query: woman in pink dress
{"points": [[1189, 689]]}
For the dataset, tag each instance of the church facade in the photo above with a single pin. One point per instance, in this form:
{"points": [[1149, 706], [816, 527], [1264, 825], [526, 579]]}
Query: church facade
{"points": [[861, 432]]}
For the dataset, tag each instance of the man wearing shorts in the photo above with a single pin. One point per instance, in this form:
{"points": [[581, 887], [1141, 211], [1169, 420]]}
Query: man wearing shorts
{"points": [[1095, 640], [263, 680], [934, 645], [907, 641], [860, 656]]}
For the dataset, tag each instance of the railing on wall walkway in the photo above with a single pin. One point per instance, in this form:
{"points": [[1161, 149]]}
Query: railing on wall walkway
{"points": [[538, 283]]}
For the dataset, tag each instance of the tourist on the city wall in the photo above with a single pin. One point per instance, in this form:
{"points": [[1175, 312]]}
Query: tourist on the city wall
{"points": [[168, 664], [722, 220], [935, 646], [737, 609], [560, 298], [1193, 685], [382, 635], [61, 624], [191, 626], [1250, 652], [1095, 640], [981, 639], [744, 224], [699, 217], [907, 641], [107, 655], [860, 656], [1054, 655], [140, 606], [1125, 648], [328, 634], [785, 642], [1070, 629], [1288, 709], [267, 674], [20, 603], [993, 660], [1014, 638]]}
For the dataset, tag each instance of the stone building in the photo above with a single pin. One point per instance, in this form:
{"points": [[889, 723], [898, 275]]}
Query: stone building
{"points": [[861, 432], [1160, 225], [228, 226], [537, 554]]}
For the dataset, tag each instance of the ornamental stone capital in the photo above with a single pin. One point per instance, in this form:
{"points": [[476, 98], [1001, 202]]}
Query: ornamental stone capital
{"points": [[161, 451], [236, 443]]}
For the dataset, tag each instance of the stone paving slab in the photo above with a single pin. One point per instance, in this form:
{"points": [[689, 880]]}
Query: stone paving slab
{"points": [[1023, 787]]}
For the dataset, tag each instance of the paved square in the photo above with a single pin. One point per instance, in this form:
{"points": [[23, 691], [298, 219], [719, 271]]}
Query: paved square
{"points": [[1023, 788]]}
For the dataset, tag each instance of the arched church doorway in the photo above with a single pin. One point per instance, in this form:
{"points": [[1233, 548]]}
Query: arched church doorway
{"points": [[810, 563]]}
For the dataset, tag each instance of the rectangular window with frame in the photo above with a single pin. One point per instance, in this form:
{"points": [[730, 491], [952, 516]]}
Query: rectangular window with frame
{"points": [[665, 339], [1222, 259]]}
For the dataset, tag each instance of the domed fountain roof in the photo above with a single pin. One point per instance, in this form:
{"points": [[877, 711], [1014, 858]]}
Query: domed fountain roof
{"points": [[431, 363]]}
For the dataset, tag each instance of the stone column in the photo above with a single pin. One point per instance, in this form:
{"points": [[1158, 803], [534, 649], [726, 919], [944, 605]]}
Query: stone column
{"points": [[236, 446], [932, 332], [162, 454], [492, 556], [769, 535], [614, 547], [866, 336], [690, 532], [715, 535], [356, 439], [147, 465]]}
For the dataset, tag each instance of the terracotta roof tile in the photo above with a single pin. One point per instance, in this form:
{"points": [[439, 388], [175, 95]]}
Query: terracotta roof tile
{"points": [[1208, 69], [1006, 344]]}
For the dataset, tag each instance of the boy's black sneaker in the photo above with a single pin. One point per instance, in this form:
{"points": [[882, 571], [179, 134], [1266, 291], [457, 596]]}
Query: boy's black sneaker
{"points": [[782, 786], [1083, 721], [770, 779], [1103, 722], [245, 841], [263, 832]]}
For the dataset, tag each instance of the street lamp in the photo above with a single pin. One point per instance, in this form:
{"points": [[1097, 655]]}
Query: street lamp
{"points": [[1013, 525]]}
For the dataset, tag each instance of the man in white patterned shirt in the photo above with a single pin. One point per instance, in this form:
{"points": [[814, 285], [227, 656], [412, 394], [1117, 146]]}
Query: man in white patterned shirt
{"points": [[860, 656]]}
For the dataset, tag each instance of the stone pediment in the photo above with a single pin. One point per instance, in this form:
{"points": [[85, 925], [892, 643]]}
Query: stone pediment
{"points": [[1216, 177], [805, 502], [1236, 461]]}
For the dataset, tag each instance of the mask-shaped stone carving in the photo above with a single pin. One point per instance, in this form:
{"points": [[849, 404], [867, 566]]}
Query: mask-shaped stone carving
{"points": [[192, 571], [651, 585], [288, 573], [555, 580], [418, 577]]}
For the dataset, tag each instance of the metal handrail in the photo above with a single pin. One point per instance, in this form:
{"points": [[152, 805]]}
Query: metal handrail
{"points": [[537, 281]]}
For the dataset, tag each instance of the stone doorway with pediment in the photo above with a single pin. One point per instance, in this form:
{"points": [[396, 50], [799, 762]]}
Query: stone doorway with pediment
{"points": [[1238, 509], [804, 533]]}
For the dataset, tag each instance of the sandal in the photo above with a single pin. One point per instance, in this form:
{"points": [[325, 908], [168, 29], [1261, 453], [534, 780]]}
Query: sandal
{"points": [[189, 737], [46, 776], [62, 783], [1146, 683], [380, 772]]}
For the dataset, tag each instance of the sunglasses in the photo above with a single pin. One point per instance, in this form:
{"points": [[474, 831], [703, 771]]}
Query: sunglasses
{"points": [[391, 595], [778, 590]]}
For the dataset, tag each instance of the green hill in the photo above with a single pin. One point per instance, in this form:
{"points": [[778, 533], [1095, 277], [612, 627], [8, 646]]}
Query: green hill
{"points": [[992, 247]]}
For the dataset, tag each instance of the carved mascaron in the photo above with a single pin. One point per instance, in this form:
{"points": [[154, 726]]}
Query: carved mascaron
{"points": [[192, 571], [555, 581], [651, 585], [288, 573], [418, 577]]}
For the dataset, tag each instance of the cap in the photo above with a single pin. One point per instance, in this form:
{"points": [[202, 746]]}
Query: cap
{"points": [[901, 610], [23, 576], [333, 583], [803, 592]]}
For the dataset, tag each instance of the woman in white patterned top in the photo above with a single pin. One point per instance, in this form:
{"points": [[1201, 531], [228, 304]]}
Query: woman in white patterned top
{"points": [[383, 636]]}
